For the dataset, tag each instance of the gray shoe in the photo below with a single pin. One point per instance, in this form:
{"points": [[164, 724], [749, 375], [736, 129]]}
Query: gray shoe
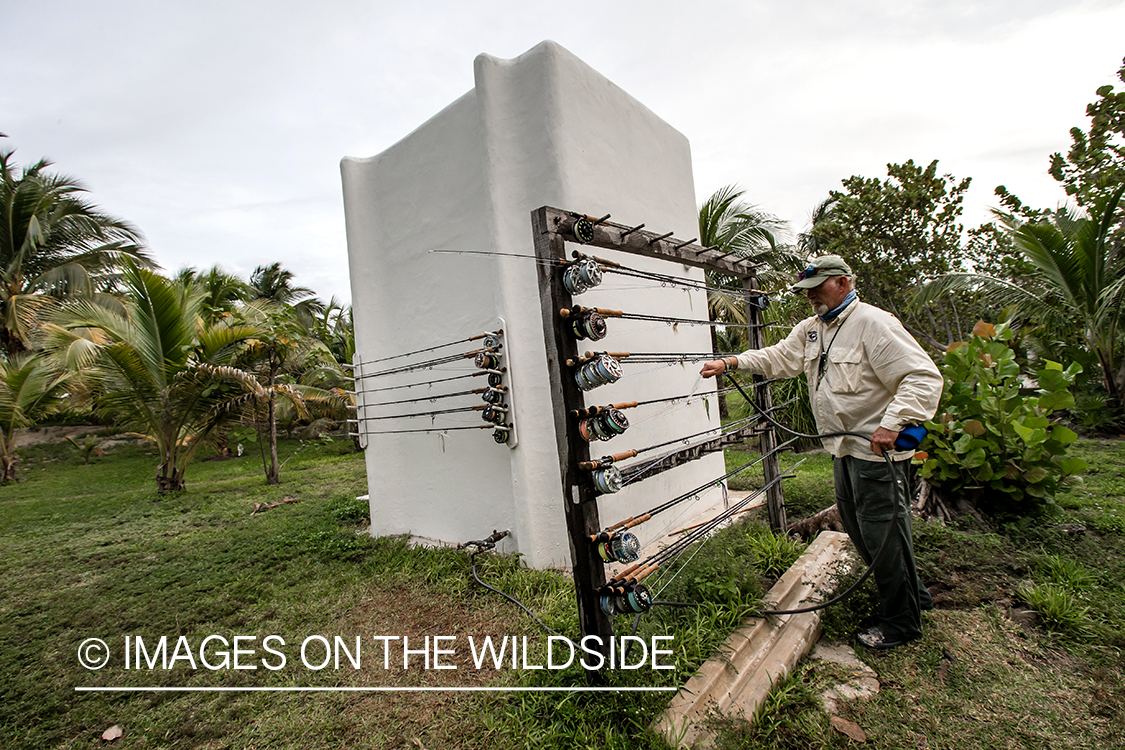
{"points": [[875, 637]]}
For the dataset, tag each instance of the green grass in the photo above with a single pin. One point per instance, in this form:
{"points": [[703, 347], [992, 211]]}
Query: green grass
{"points": [[95, 551], [1024, 650]]}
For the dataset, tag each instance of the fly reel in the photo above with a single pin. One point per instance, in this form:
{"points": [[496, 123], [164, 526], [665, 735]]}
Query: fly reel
{"points": [[589, 325], [601, 371], [494, 413], [760, 301], [502, 433], [605, 425], [487, 360], [623, 548], [583, 230], [636, 600], [494, 395], [608, 480], [582, 276]]}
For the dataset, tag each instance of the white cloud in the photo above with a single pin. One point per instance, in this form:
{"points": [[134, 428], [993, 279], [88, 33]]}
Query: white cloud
{"points": [[217, 127]]}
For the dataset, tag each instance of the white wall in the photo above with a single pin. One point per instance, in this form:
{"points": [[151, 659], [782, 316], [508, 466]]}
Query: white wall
{"points": [[541, 129]]}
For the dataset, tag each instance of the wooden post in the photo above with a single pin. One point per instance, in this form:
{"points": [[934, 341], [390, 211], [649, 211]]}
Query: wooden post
{"points": [[579, 497], [771, 467]]}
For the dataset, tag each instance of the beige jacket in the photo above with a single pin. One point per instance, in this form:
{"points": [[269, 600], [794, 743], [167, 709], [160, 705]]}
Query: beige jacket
{"points": [[877, 375]]}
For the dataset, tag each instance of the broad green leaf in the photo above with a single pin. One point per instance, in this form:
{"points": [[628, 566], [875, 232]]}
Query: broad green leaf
{"points": [[976, 458], [1073, 465], [1052, 380], [1050, 402], [1025, 433], [984, 472], [1036, 475], [1064, 435]]}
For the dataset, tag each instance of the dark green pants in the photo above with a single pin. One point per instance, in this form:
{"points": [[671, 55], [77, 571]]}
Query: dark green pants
{"points": [[865, 496]]}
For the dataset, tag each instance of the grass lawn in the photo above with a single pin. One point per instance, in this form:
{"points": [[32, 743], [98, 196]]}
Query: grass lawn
{"points": [[94, 551]]}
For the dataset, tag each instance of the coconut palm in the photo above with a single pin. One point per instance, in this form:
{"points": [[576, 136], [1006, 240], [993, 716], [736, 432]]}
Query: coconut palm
{"points": [[144, 362], [274, 358], [273, 283], [336, 328], [732, 225], [53, 243], [29, 390], [1075, 280], [222, 291]]}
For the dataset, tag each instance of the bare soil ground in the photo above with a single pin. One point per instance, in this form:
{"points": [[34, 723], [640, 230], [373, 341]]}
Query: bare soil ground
{"points": [[59, 434]]}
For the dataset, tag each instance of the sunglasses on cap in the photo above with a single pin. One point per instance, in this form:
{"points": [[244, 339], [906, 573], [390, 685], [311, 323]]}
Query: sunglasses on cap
{"points": [[812, 271]]}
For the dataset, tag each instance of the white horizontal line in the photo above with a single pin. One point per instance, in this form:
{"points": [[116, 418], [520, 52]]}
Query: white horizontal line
{"points": [[373, 689]]}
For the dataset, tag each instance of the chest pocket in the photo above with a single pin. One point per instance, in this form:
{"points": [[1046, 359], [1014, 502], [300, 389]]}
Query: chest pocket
{"points": [[845, 369]]}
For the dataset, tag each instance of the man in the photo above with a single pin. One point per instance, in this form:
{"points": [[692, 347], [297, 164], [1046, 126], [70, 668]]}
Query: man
{"points": [[868, 375]]}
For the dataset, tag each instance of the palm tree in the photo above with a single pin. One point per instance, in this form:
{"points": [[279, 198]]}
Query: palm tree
{"points": [[222, 291], [732, 225], [29, 390], [145, 362], [336, 328], [273, 359], [274, 284], [53, 243], [1076, 280]]}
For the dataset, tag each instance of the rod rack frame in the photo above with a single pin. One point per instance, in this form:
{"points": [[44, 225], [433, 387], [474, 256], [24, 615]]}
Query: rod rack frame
{"points": [[552, 228]]}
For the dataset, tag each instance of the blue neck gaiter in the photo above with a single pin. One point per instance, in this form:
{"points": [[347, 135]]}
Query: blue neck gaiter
{"points": [[831, 315]]}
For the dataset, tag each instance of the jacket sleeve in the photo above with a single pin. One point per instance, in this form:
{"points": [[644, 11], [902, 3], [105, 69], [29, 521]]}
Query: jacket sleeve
{"points": [[785, 359], [908, 373]]}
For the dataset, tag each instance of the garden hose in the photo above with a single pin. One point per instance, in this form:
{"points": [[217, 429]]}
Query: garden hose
{"points": [[886, 538], [491, 541]]}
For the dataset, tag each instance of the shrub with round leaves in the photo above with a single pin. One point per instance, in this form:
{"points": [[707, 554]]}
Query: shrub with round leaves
{"points": [[991, 440]]}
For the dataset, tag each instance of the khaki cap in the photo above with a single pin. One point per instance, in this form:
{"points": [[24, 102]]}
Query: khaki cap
{"points": [[820, 269]]}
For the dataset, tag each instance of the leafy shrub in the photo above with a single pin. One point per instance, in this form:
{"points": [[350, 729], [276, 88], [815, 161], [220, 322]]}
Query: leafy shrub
{"points": [[992, 443]]}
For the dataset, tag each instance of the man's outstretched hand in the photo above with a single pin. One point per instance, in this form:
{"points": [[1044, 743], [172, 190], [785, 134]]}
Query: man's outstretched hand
{"points": [[713, 368]]}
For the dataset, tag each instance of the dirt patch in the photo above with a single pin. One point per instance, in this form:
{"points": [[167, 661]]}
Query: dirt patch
{"points": [[51, 434], [424, 719], [41, 435]]}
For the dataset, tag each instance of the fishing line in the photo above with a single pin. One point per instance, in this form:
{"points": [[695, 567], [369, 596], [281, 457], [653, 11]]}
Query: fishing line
{"points": [[611, 540], [431, 348], [679, 281], [473, 374], [729, 428], [589, 322], [536, 258], [478, 407], [429, 429], [427, 398], [429, 363], [886, 538]]}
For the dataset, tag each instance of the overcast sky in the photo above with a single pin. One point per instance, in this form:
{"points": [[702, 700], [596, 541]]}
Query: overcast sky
{"points": [[218, 127]]}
